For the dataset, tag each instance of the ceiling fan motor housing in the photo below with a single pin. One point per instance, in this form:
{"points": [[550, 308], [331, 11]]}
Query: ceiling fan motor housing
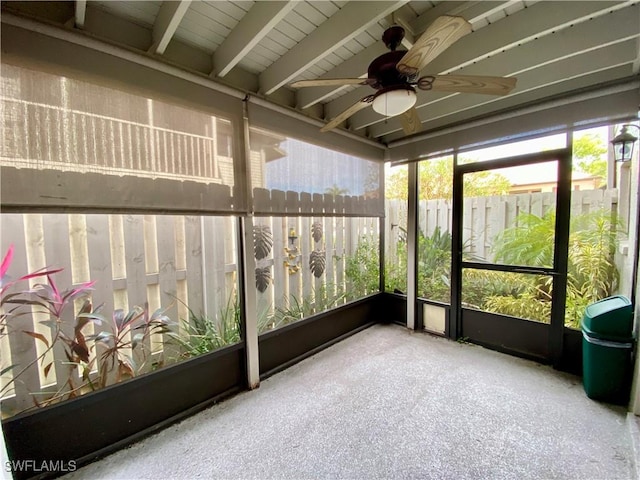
{"points": [[383, 73]]}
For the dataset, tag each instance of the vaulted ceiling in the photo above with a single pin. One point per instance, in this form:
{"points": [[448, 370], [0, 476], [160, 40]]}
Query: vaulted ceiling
{"points": [[261, 47]]}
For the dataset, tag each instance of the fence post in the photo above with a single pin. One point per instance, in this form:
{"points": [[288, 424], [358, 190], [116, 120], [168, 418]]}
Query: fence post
{"points": [[99, 248], [194, 251], [167, 278]]}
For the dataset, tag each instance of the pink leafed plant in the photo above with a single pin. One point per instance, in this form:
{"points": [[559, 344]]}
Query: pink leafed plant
{"points": [[117, 337]]}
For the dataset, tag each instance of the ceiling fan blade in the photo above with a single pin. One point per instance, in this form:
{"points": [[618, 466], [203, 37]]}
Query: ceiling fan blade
{"points": [[439, 36], [468, 84], [330, 82], [356, 107], [410, 121]]}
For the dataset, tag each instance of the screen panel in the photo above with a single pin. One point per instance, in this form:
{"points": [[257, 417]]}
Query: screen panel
{"points": [[118, 150], [292, 176]]}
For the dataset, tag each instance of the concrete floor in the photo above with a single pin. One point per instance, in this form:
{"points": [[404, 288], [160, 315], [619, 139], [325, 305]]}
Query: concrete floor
{"points": [[389, 403]]}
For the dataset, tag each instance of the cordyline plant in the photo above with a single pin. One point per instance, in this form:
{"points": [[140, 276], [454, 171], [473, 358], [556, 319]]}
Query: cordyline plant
{"points": [[10, 304], [118, 337]]}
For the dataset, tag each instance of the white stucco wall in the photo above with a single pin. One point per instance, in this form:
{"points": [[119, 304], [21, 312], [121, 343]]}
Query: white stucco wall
{"points": [[632, 175]]}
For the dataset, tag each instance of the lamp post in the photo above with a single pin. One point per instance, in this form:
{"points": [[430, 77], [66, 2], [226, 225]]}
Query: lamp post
{"points": [[623, 144]]}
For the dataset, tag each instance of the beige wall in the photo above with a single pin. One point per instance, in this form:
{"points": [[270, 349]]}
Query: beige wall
{"points": [[581, 184], [629, 182]]}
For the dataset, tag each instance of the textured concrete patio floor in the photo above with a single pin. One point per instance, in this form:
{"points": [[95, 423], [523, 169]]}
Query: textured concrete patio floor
{"points": [[388, 403]]}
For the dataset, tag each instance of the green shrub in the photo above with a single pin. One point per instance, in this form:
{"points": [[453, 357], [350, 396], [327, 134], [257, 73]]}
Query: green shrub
{"points": [[434, 265], [363, 268], [201, 334], [592, 274]]}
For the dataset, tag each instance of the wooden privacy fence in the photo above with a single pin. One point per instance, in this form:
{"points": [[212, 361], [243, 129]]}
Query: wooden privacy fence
{"points": [[280, 202], [172, 262], [167, 261], [293, 281], [485, 217]]}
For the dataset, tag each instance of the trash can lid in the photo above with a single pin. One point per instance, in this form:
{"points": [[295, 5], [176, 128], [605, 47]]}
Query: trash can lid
{"points": [[610, 316], [606, 305]]}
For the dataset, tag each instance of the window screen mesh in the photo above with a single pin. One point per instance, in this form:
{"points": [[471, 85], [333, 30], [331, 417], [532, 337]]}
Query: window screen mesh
{"points": [[57, 123], [291, 176]]}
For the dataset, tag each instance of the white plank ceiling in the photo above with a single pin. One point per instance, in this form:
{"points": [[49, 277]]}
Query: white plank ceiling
{"points": [[552, 47]]}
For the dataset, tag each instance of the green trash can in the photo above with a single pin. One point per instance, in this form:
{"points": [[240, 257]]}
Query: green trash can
{"points": [[607, 344]]}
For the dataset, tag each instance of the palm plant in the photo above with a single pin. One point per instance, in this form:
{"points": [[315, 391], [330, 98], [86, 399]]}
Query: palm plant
{"points": [[335, 190], [529, 242], [592, 274], [434, 265]]}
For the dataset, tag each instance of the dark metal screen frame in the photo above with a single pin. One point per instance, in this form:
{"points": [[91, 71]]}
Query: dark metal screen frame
{"points": [[559, 270]]}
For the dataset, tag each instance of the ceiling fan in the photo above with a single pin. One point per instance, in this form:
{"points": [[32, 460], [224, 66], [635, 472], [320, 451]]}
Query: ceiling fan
{"points": [[396, 74]]}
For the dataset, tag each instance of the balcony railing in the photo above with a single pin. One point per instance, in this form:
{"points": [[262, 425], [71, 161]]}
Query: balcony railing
{"points": [[36, 135]]}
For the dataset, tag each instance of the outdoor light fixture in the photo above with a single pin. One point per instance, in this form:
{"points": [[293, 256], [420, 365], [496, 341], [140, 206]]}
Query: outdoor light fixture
{"points": [[394, 102], [623, 144], [623, 152]]}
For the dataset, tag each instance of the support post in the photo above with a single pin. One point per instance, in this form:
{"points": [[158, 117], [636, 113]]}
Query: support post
{"points": [[247, 267], [412, 239], [561, 254], [381, 227], [453, 327], [246, 257]]}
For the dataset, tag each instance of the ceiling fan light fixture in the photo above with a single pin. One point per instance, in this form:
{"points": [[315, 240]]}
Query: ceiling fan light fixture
{"points": [[394, 102]]}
